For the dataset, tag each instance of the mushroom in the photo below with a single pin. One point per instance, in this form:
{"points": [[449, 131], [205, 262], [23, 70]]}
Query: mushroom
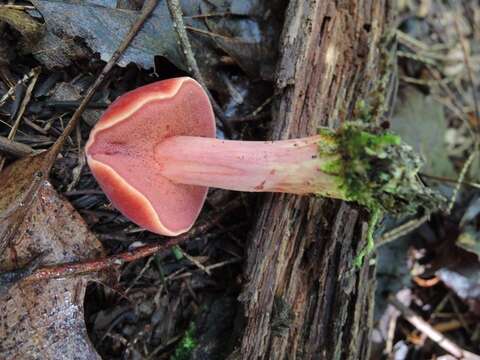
{"points": [[154, 153]]}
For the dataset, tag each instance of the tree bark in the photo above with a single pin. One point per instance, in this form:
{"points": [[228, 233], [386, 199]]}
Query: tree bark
{"points": [[303, 298]]}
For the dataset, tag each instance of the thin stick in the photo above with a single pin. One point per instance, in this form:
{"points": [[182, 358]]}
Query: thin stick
{"points": [[147, 9], [14, 148], [208, 33], [402, 230], [192, 66], [434, 335], [219, 14], [21, 110], [95, 265], [449, 180], [23, 105], [194, 261], [466, 60], [177, 276], [11, 91], [17, 7], [461, 177]]}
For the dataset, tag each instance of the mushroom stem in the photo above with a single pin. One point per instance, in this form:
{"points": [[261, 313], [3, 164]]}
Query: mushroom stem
{"points": [[357, 162], [289, 166]]}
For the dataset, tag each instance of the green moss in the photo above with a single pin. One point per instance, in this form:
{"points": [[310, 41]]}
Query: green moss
{"points": [[328, 146], [332, 167], [377, 170], [186, 346]]}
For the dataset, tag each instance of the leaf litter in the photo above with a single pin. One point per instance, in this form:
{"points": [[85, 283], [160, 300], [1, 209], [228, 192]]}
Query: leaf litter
{"points": [[226, 35], [436, 110], [44, 319], [26, 217], [247, 35]]}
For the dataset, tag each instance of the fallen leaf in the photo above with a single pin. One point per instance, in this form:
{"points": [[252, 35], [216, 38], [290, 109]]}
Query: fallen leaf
{"points": [[469, 238], [420, 121], [19, 184], [42, 320], [22, 22], [103, 28], [249, 35], [64, 91]]}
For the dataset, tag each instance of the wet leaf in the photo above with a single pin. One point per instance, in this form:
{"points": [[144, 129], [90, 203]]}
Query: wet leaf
{"points": [[420, 121], [103, 28], [22, 22], [42, 320], [249, 35]]}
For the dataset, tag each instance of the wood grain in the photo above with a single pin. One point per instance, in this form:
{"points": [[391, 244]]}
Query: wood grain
{"points": [[303, 299]]}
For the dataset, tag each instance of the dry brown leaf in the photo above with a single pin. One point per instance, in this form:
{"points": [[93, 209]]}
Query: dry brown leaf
{"points": [[18, 186], [42, 320]]}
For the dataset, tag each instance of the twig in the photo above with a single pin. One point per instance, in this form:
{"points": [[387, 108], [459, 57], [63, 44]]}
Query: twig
{"points": [[401, 230], [178, 275], [147, 9], [471, 79], [21, 110], [433, 334], [392, 325], [95, 265], [11, 91], [219, 14], [449, 180], [164, 346], [23, 105], [17, 7], [257, 114], [208, 33], [139, 275], [179, 26], [195, 262], [461, 177]]}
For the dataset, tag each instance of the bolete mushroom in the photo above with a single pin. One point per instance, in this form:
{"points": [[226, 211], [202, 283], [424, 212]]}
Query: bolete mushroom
{"points": [[155, 154]]}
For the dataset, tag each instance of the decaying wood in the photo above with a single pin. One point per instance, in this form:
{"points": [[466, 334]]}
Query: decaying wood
{"points": [[303, 298]]}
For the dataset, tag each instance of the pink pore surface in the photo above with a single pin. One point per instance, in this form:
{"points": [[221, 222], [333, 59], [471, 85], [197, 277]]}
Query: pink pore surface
{"points": [[126, 146]]}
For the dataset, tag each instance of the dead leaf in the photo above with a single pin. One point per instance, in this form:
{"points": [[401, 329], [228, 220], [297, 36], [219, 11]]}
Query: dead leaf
{"points": [[249, 35], [72, 92], [19, 184], [42, 320], [420, 121], [103, 28], [22, 22]]}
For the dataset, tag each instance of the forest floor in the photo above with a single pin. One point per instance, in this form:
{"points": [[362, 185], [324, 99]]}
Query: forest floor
{"points": [[177, 303]]}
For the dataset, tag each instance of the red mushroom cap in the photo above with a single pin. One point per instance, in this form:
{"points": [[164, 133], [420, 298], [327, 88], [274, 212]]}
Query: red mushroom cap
{"points": [[120, 153]]}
